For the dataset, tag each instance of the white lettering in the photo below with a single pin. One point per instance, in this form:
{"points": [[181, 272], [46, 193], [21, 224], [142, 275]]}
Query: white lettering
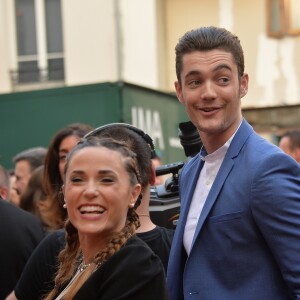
{"points": [[150, 123]]}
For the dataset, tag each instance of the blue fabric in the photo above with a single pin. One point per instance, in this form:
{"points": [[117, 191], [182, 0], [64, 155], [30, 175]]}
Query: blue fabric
{"points": [[247, 241]]}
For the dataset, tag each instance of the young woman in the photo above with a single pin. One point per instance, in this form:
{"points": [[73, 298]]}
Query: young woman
{"points": [[103, 258]]}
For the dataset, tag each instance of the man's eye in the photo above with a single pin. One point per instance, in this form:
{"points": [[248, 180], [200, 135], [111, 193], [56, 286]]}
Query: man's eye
{"points": [[194, 83], [224, 80]]}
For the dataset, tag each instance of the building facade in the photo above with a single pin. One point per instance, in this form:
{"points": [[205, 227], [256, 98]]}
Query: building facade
{"points": [[64, 43]]}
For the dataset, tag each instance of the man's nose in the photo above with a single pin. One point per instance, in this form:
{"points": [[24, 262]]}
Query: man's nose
{"points": [[208, 91]]}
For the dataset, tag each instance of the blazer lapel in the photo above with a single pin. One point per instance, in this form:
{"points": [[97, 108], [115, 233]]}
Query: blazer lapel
{"points": [[189, 186], [213, 194], [237, 143]]}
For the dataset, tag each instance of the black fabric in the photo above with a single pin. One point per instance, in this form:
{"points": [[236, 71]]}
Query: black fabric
{"points": [[132, 273], [38, 276], [159, 240], [20, 233]]}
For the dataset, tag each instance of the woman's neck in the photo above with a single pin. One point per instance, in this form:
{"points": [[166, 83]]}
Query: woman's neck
{"points": [[146, 223]]}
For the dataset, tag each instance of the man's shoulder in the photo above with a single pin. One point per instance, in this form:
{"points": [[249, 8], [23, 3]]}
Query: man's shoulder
{"points": [[18, 222], [8, 209]]}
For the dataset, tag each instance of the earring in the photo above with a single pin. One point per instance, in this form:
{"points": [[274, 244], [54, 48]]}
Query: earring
{"points": [[65, 205], [131, 205]]}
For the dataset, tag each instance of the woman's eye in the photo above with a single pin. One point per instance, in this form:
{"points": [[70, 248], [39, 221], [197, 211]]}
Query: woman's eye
{"points": [[107, 180], [76, 179], [62, 157]]}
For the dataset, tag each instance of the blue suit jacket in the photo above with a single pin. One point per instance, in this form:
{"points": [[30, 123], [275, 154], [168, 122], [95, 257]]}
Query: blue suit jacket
{"points": [[247, 241]]}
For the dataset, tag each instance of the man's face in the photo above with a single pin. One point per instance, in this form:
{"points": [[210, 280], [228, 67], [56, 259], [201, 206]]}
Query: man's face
{"points": [[23, 173], [285, 145], [211, 92]]}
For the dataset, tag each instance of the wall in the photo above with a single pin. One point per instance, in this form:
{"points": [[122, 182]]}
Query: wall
{"points": [[273, 64], [89, 41]]}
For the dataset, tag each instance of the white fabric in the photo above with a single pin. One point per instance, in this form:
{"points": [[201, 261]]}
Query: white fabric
{"points": [[212, 164]]}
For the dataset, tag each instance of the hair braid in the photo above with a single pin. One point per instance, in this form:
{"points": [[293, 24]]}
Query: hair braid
{"points": [[120, 239]]}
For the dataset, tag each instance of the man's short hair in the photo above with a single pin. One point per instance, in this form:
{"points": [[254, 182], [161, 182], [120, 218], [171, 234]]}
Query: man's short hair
{"points": [[294, 138], [34, 156]]}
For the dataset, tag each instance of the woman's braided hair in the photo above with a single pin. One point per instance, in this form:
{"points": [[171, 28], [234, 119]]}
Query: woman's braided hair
{"points": [[70, 256]]}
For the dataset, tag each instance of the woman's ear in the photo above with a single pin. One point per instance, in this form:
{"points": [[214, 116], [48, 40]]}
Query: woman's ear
{"points": [[136, 192], [63, 189]]}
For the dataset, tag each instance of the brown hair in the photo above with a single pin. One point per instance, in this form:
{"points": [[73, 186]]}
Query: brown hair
{"points": [[71, 254], [294, 138], [52, 180], [209, 38]]}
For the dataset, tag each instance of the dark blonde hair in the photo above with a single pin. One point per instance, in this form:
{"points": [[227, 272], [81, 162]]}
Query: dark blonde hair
{"points": [[70, 256]]}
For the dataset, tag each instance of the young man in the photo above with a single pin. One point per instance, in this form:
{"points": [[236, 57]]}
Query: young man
{"points": [[290, 144], [238, 235]]}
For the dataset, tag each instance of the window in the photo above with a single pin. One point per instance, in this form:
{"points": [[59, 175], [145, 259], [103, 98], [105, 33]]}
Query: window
{"points": [[39, 41], [283, 17]]}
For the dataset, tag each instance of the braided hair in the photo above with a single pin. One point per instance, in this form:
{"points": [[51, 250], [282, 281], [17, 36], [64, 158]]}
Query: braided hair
{"points": [[69, 258]]}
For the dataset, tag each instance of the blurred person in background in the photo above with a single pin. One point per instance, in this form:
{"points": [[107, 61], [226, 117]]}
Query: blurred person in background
{"points": [[25, 163], [61, 144], [20, 233], [13, 194], [4, 183], [34, 199], [156, 162], [290, 144]]}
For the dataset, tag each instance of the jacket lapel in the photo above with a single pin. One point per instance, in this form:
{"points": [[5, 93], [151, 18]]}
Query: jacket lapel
{"points": [[189, 186], [237, 143]]}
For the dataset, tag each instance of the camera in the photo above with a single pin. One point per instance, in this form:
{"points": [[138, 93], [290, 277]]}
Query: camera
{"points": [[164, 199]]}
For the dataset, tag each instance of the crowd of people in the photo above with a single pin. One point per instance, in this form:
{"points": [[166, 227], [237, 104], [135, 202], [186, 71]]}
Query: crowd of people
{"points": [[76, 220]]}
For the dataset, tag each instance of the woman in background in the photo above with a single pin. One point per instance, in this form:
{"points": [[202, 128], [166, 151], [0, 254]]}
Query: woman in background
{"points": [[61, 144]]}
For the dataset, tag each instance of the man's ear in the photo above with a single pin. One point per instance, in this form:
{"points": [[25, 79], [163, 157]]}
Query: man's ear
{"points": [[179, 92], [4, 193], [244, 85], [297, 154]]}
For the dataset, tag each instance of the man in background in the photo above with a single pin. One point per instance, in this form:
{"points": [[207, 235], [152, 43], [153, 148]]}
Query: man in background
{"points": [[290, 144], [4, 183], [25, 163], [20, 233]]}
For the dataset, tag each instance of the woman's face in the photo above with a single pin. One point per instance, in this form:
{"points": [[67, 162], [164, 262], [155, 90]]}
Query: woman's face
{"points": [[66, 145], [98, 191]]}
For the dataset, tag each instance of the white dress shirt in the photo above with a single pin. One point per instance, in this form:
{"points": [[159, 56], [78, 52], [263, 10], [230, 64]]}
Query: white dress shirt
{"points": [[212, 164]]}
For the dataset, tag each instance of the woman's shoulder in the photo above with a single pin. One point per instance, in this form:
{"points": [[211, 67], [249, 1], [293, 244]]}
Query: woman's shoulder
{"points": [[135, 245], [137, 254]]}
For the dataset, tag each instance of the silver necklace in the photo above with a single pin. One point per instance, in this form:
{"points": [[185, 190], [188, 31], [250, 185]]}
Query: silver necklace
{"points": [[83, 266]]}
